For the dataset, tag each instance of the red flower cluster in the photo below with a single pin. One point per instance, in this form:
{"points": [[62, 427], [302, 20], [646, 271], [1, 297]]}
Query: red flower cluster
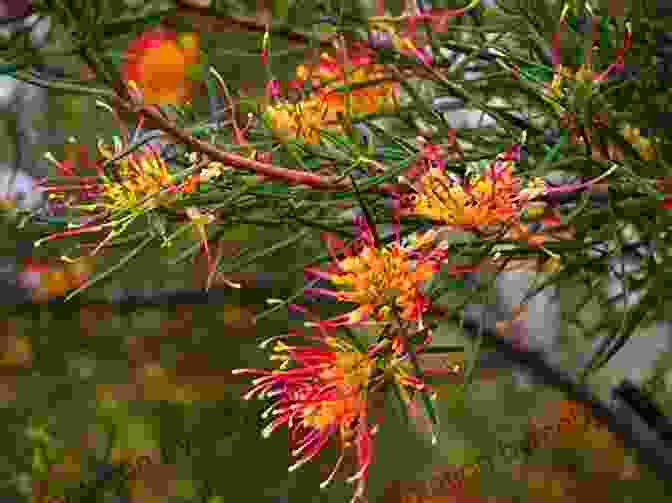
{"points": [[323, 394], [384, 280]]}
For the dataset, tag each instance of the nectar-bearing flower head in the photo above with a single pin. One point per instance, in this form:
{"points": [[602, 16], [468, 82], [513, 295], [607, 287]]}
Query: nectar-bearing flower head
{"points": [[142, 175], [322, 392], [162, 65], [332, 74], [486, 200], [492, 198], [139, 179], [337, 89], [385, 281], [126, 185], [323, 395], [299, 120]]}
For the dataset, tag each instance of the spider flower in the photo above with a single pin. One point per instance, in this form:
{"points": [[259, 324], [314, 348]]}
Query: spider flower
{"points": [[487, 200], [299, 120], [366, 99], [135, 182], [384, 280], [322, 396], [324, 391], [142, 176], [140, 179], [338, 91], [161, 65], [491, 199]]}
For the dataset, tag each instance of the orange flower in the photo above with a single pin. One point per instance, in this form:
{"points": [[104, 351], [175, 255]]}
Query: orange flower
{"points": [[367, 99], [144, 174], [381, 279], [305, 118], [488, 200], [494, 198], [321, 396], [327, 389], [160, 63]]}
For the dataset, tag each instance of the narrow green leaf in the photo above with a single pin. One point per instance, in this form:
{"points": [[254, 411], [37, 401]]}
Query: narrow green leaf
{"points": [[424, 396], [403, 408], [270, 250], [116, 267]]}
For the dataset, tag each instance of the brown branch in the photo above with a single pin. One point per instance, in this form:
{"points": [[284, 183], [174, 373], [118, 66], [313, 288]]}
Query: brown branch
{"points": [[297, 177]]}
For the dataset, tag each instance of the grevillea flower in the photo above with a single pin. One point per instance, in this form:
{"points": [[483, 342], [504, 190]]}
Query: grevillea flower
{"points": [[162, 64], [142, 175], [323, 395], [561, 73], [407, 46], [323, 390], [83, 189], [488, 200], [368, 99], [141, 180], [406, 40], [645, 147], [133, 183], [299, 120], [493, 198], [332, 99], [384, 280]]}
